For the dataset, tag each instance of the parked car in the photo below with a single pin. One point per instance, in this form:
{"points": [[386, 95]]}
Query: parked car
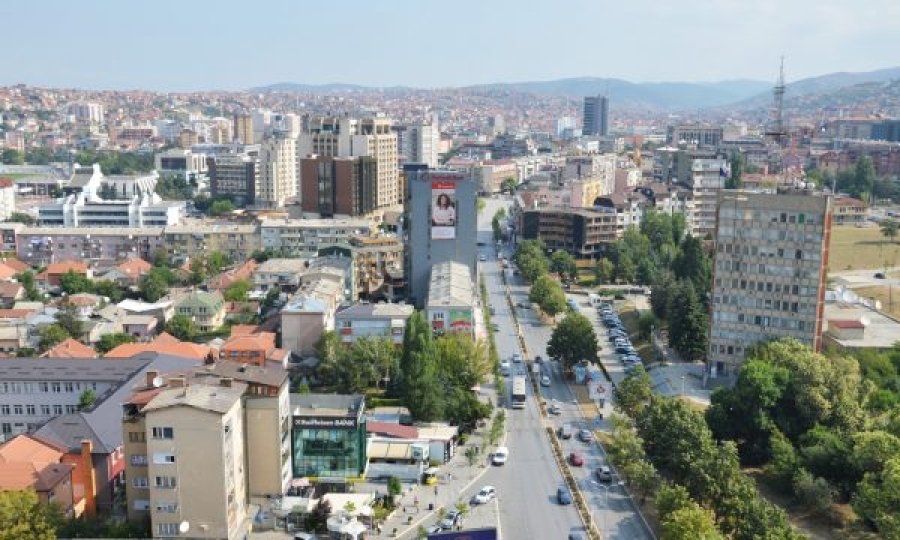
{"points": [[484, 496], [482, 257], [538, 359], [554, 409], [879, 275], [501, 454], [565, 431], [516, 357], [603, 474], [434, 529], [451, 520], [563, 496], [576, 459], [545, 381], [585, 435]]}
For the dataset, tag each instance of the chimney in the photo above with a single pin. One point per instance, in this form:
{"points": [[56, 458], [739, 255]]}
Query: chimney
{"points": [[88, 479], [151, 374], [225, 381], [176, 382]]}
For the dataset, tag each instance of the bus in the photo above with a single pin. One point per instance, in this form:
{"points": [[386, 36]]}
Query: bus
{"points": [[518, 392]]}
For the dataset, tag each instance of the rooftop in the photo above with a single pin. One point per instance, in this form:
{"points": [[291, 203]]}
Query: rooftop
{"points": [[217, 399], [450, 285], [283, 266], [337, 405], [69, 369], [376, 311], [881, 331]]}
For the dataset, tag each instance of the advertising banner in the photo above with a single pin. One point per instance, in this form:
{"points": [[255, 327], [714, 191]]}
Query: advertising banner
{"points": [[461, 320], [443, 210], [311, 422]]}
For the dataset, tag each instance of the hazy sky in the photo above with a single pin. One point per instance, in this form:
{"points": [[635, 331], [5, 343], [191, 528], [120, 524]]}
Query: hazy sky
{"points": [[199, 44]]}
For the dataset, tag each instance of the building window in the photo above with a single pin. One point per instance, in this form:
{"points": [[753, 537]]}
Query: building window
{"points": [[57, 409], [4, 410], [162, 458], [45, 410], [165, 482], [137, 437], [71, 409], [70, 387], [141, 505], [30, 410], [17, 410], [57, 388], [139, 482], [166, 529], [168, 508], [163, 433]]}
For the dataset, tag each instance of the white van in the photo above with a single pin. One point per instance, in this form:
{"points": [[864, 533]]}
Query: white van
{"points": [[594, 299]]}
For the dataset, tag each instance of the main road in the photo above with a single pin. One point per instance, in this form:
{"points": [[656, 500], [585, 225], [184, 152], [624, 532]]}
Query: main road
{"points": [[613, 510], [527, 484]]}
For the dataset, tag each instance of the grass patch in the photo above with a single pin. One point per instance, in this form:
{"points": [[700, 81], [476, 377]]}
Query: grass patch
{"points": [[860, 248]]}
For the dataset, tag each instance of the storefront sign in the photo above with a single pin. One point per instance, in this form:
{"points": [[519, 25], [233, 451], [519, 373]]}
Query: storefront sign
{"points": [[317, 422]]}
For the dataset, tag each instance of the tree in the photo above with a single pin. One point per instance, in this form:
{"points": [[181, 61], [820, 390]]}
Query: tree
{"points": [[687, 322], [26, 278], [109, 289], [873, 449], [67, 318], [877, 500], [509, 184], [22, 515], [11, 156], [548, 295], [691, 522], [812, 493], [394, 486], [784, 462], [50, 335], [563, 264], [238, 291], [641, 476], [216, 261], [737, 168], [646, 324], [182, 327], [198, 270], [109, 342], [463, 362], [221, 207], [573, 340], [153, 285], [634, 392], [20, 217], [87, 398], [73, 283], [890, 229], [694, 264], [605, 270], [422, 392], [671, 498], [660, 294]]}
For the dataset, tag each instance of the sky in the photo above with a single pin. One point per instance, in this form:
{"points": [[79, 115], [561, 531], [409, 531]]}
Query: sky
{"points": [[228, 45]]}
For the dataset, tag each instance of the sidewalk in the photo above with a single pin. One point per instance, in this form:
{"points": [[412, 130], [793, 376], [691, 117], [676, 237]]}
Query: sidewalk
{"points": [[447, 490]]}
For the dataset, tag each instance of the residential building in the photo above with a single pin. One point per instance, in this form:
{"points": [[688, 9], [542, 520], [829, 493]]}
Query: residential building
{"points": [[70, 348], [595, 120], [241, 272], [769, 273], [328, 435], [282, 273], [234, 176], [490, 174], [243, 129], [419, 142], [345, 186], [849, 211], [164, 344], [373, 320], [197, 238], [451, 299], [378, 264], [87, 112], [309, 314], [248, 346], [54, 272], [205, 309], [7, 198], [351, 137], [440, 226], [304, 238], [30, 463], [278, 180], [706, 180], [45, 245]]}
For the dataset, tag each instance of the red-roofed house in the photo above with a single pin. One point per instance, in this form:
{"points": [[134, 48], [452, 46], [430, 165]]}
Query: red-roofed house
{"points": [[846, 329], [15, 264], [132, 270], [10, 293], [166, 344], [70, 348], [227, 278], [849, 211], [55, 272], [27, 462], [249, 348]]}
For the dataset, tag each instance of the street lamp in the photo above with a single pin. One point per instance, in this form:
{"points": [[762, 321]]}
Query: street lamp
{"points": [[606, 489]]}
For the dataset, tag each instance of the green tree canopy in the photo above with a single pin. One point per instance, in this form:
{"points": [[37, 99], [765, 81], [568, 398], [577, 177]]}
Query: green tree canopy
{"points": [[22, 516], [563, 264], [418, 366], [573, 340], [238, 291], [109, 342], [182, 327], [50, 335], [548, 295]]}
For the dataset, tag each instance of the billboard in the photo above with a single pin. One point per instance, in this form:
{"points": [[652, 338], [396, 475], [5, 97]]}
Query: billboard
{"points": [[461, 320], [443, 210]]}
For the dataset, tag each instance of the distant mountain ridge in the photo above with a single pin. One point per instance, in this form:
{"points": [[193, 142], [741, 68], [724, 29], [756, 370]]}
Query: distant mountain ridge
{"points": [[741, 93]]}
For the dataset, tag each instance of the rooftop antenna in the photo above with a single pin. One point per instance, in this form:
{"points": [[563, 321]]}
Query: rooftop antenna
{"points": [[777, 132]]}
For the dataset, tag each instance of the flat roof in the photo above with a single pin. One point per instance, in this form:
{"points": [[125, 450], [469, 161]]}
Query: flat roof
{"points": [[450, 285], [337, 405], [376, 311], [217, 399], [880, 331]]}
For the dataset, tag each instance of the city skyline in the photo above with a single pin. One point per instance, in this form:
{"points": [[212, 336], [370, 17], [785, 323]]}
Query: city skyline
{"points": [[208, 47]]}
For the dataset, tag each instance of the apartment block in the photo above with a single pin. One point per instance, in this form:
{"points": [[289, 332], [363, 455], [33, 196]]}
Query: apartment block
{"points": [[769, 273], [346, 186], [234, 176], [242, 129], [706, 180], [46, 245], [351, 137], [304, 237], [238, 241], [278, 174]]}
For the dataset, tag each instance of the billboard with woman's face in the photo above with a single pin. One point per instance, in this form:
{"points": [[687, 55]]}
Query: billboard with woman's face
{"points": [[443, 210]]}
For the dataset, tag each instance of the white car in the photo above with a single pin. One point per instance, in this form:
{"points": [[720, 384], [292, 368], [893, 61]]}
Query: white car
{"points": [[545, 381], [501, 454], [484, 496], [516, 357], [482, 258]]}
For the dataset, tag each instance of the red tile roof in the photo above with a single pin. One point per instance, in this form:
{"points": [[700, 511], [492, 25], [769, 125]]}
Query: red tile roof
{"points": [[846, 324], [135, 267], [62, 267], [389, 429], [70, 349], [16, 264], [178, 348]]}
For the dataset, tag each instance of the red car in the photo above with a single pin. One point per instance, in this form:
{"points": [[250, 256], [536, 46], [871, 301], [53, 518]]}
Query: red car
{"points": [[576, 459]]}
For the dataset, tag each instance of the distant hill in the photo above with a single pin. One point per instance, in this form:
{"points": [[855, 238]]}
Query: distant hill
{"points": [[739, 93]]}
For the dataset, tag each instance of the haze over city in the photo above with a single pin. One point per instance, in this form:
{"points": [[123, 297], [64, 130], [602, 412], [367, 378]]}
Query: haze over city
{"points": [[231, 45]]}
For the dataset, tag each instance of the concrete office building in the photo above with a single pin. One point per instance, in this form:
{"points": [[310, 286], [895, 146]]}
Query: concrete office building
{"points": [[352, 137], [595, 120], [329, 435], [234, 176], [441, 226], [346, 186], [769, 274], [583, 232], [277, 171], [697, 135]]}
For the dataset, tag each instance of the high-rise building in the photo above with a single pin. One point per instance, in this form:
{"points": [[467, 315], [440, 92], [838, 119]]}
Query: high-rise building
{"points": [[769, 273], [90, 113], [350, 137], [277, 171], [243, 128], [497, 124], [234, 176], [441, 225], [338, 185], [420, 142], [596, 116]]}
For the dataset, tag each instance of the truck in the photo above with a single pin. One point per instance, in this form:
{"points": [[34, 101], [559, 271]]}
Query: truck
{"points": [[518, 392]]}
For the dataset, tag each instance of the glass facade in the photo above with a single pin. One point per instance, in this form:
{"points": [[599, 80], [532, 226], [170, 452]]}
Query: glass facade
{"points": [[329, 451]]}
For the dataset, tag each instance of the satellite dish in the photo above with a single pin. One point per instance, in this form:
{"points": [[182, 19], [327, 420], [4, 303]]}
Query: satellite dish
{"points": [[157, 382], [184, 527]]}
